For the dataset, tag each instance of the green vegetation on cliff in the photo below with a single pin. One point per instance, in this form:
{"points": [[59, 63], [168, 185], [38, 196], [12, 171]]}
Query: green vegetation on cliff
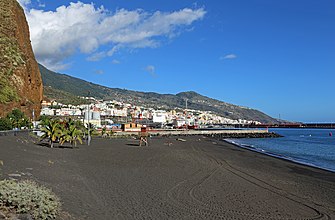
{"points": [[10, 55], [20, 80], [7, 92]]}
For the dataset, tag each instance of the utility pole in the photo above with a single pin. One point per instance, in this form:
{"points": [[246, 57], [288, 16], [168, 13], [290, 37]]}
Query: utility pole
{"points": [[88, 122], [33, 120]]}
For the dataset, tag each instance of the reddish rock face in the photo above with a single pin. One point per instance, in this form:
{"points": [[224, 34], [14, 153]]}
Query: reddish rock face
{"points": [[19, 71]]}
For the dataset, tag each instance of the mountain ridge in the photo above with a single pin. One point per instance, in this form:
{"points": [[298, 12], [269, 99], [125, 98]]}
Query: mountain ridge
{"points": [[74, 87]]}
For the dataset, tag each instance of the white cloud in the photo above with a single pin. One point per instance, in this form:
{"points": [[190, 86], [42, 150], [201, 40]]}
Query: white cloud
{"points": [[228, 57], [151, 69], [57, 66], [96, 56], [100, 55], [99, 72], [24, 3], [84, 28], [116, 61], [40, 4]]}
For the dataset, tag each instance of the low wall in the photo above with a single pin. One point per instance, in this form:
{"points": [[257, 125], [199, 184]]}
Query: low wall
{"points": [[15, 133], [212, 133]]}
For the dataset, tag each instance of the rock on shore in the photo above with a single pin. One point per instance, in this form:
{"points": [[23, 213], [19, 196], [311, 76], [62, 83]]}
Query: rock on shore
{"points": [[247, 135]]}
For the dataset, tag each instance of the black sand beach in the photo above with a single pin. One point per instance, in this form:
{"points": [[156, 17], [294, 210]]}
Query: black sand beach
{"points": [[200, 178]]}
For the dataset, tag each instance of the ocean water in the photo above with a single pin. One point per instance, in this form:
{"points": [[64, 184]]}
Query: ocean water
{"points": [[313, 147]]}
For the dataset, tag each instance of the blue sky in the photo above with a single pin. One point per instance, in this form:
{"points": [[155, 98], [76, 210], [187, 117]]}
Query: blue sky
{"points": [[275, 56]]}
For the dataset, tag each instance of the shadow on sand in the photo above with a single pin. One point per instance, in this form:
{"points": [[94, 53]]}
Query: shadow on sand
{"points": [[56, 145], [133, 144]]}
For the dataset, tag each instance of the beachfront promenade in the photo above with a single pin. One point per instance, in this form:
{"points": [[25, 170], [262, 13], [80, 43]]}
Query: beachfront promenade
{"points": [[213, 133]]}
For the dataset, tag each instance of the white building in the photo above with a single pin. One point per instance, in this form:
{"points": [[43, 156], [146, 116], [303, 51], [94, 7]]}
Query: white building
{"points": [[48, 111], [69, 112], [119, 112], [159, 116], [179, 122], [92, 117]]}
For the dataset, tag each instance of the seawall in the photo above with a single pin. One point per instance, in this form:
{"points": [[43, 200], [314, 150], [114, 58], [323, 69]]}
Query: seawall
{"points": [[212, 133]]}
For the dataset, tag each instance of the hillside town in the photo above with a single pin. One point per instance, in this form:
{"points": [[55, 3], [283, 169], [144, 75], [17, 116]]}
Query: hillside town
{"points": [[113, 114]]}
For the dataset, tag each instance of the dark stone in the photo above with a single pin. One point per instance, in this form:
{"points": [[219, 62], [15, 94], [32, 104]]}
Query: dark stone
{"points": [[2, 216], [24, 217], [246, 135]]}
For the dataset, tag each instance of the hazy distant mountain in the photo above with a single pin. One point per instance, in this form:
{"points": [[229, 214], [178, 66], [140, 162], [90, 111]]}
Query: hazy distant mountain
{"points": [[66, 89]]}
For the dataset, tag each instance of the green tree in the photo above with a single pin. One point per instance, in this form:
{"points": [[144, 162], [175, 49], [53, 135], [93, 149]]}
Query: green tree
{"points": [[52, 131], [72, 135], [111, 133], [80, 125], [44, 120], [92, 129], [5, 124], [104, 131], [71, 132], [18, 119]]}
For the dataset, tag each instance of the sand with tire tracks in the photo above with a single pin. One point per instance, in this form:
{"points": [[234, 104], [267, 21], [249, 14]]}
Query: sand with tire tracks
{"points": [[200, 178]]}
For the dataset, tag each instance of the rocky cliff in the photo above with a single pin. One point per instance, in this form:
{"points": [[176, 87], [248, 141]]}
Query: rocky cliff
{"points": [[20, 79]]}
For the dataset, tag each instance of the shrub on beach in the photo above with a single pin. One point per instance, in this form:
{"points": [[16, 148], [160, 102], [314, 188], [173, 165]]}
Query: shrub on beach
{"points": [[52, 131], [61, 131], [26, 197]]}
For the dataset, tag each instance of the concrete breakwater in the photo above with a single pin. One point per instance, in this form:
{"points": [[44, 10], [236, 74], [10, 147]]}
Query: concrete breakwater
{"points": [[211, 133]]}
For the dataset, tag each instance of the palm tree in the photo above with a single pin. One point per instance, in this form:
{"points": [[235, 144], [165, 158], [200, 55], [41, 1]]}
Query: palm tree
{"points": [[72, 134], [92, 129], [79, 124], [104, 132], [44, 120], [52, 131]]}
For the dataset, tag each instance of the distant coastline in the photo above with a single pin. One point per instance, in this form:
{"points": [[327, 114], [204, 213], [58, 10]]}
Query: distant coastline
{"points": [[317, 125]]}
